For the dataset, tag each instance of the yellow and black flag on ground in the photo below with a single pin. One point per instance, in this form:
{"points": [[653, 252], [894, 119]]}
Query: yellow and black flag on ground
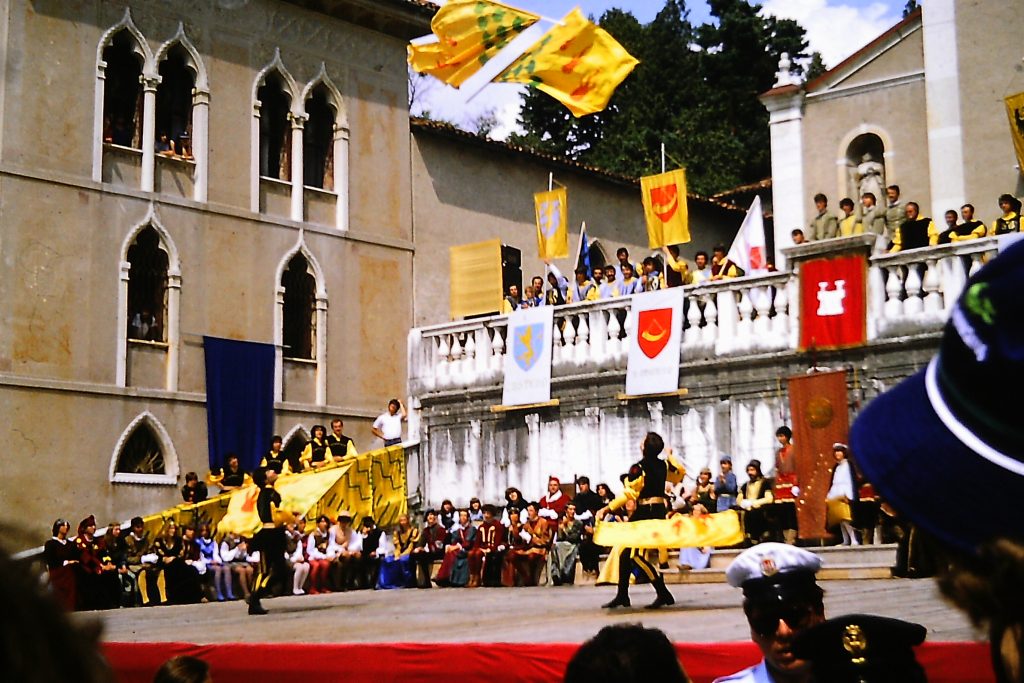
{"points": [[468, 34], [664, 197], [552, 210], [1015, 111]]}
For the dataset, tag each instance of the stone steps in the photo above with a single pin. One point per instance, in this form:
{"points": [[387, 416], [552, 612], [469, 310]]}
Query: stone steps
{"points": [[839, 563]]}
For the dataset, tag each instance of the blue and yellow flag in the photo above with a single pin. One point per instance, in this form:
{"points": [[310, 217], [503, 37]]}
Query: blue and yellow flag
{"points": [[552, 210], [576, 62], [469, 33]]}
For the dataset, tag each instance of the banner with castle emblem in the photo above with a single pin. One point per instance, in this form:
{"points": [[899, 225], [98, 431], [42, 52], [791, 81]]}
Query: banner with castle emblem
{"points": [[833, 302], [528, 356], [653, 366]]}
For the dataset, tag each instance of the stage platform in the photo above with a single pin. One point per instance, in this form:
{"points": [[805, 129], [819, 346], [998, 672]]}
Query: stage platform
{"points": [[494, 634]]}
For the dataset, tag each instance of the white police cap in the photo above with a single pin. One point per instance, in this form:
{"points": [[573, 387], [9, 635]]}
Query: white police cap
{"points": [[772, 564]]}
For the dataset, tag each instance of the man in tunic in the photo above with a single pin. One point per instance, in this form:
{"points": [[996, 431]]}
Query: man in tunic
{"points": [[340, 445], [269, 540], [488, 551], [553, 503], [824, 225], [565, 549]]}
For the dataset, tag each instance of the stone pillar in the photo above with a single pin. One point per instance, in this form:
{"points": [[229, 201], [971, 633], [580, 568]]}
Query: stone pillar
{"points": [[279, 344], [148, 142], [942, 97], [121, 364], [173, 328], [201, 144], [298, 122], [254, 159], [535, 480], [97, 129], [785, 104], [341, 176], [321, 350]]}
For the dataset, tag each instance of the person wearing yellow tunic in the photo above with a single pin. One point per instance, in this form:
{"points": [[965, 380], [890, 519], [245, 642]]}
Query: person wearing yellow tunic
{"points": [[677, 272], [1010, 220], [583, 289], [915, 232], [645, 484], [316, 452], [970, 229], [848, 224]]}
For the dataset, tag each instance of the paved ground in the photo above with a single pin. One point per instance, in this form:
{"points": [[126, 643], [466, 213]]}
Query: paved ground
{"points": [[703, 613]]}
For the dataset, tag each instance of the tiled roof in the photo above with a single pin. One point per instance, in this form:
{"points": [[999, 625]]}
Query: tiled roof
{"points": [[449, 130], [742, 189]]}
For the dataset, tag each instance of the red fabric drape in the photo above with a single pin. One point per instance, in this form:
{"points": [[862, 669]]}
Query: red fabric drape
{"points": [[496, 662]]}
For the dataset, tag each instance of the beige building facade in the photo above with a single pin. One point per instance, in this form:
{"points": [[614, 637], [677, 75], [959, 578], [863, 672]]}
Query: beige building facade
{"points": [[922, 103]]}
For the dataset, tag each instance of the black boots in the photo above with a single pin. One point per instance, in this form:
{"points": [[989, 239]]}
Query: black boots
{"points": [[619, 601], [664, 598], [254, 604]]}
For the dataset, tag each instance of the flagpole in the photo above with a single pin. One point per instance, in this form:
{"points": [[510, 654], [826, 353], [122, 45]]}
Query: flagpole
{"points": [[551, 181], [663, 157], [579, 246]]}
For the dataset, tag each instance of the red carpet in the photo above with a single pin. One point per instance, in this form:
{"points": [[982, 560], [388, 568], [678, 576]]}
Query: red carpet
{"points": [[497, 662]]}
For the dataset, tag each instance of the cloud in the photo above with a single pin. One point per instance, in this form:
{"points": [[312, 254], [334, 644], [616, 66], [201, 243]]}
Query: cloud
{"points": [[448, 104], [835, 29]]}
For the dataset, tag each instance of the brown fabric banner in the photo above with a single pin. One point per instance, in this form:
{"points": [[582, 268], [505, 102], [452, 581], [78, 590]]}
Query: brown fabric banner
{"points": [[821, 417]]}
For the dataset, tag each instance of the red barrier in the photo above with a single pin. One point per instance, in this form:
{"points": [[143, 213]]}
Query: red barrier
{"points": [[442, 662]]}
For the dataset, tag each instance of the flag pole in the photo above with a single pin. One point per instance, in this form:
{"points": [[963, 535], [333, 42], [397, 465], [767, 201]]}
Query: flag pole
{"points": [[551, 181], [579, 246], [663, 157]]}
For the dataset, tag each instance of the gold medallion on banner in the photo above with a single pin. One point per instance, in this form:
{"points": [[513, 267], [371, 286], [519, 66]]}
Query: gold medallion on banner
{"points": [[819, 412]]}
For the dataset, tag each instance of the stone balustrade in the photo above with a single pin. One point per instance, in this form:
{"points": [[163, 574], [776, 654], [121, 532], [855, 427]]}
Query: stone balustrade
{"points": [[908, 293]]}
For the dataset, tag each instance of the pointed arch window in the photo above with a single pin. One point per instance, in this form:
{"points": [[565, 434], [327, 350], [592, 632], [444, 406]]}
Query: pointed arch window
{"points": [[122, 91], [147, 287], [275, 129], [144, 454], [141, 453], [174, 99], [318, 140], [298, 332]]}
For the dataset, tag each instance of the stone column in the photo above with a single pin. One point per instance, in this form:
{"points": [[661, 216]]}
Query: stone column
{"points": [[97, 129], [785, 104], [298, 123], [341, 176], [121, 364], [942, 97], [201, 144], [148, 143], [173, 328], [254, 159], [321, 350]]}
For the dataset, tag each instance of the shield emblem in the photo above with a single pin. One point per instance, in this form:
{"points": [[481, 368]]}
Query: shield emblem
{"points": [[526, 344], [654, 327], [665, 201]]}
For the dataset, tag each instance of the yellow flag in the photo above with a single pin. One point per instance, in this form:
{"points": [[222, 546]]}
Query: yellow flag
{"points": [[299, 493], [577, 63], [1015, 110], [719, 529], [552, 211], [664, 197], [469, 32]]}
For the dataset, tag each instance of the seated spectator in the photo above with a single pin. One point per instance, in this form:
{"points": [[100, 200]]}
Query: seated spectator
{"points": [[565, 549], [511, 300], [429, 549], [677, 272], [605, 493], [1010, 220], [350, 550], [116, 548], [840, 494], [488, 552], [234, 551], [725, 486], [374, 548], [534, 557], [606, 290], [695, 558], [454, 570], [295, 554], [316, 454], [322, 552], [181, 580], [396, 570], [340, 444], [517, 542], [99, 586], [703, 492], [61, 557], [232, 477], [824, 225], [848, 224], [628, 285], [552, 504], [626, 652], [701, 270], [583, 289], [136, 543], [970, 229], [476, 514], [513, 500], [194, 491], [798, 236], [753, 496], [651, 280], [872, 216], [275, 459], [721, 267], [220, 573], [587, 503], [915, 232], [447, 515], [558, 286]]}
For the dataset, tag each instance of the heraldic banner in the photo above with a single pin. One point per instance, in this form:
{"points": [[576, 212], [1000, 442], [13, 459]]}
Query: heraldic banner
{"points": [[552, 210], [664, 198], [528, 356], [821, 417], [653, 366], [833, 302], [1015, 112]]}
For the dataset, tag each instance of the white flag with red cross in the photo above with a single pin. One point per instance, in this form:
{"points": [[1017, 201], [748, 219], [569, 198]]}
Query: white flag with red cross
{"points": [[748, 249]]}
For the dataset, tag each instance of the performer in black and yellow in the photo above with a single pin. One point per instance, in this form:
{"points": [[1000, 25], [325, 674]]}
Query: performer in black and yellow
{"points": [[270, 539], [645, 484]]}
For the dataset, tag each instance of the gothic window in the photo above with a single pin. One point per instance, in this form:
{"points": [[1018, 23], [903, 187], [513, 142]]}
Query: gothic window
{"points": [[147, 287], [318, 141], [275, 131], [122, 91], [174, 104], [298, 332], [597, 257], [141, 452]]}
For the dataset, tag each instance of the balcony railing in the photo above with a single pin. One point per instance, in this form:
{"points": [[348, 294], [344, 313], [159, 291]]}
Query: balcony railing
{"points": [[908, 293]]}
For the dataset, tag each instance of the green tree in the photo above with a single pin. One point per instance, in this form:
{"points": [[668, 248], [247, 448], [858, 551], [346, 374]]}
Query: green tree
{"points": [[816, 67]]}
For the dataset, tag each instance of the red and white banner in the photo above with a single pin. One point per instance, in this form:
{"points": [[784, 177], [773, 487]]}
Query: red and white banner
{"points": [[748, 250], [654, 342], [833, 302]]}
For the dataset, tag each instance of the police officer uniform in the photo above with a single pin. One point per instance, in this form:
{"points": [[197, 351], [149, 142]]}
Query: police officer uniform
{"points": [[270, 541]]}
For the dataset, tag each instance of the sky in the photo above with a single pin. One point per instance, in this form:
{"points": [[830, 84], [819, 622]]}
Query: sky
{"points": [[835, 28]]}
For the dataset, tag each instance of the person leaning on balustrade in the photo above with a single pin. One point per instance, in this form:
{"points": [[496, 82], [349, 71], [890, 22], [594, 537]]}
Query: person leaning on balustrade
{"points": [[824, 226], [916, 231], [1010, 220]]}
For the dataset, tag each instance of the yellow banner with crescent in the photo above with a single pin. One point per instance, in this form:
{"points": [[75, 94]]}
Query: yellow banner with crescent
{"points": [[1015, 112], [719, 529], [664, 198]]}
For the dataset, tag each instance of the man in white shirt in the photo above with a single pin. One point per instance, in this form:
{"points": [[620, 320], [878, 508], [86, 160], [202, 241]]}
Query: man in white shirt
{"points": [[389, 425], [781, 601]]}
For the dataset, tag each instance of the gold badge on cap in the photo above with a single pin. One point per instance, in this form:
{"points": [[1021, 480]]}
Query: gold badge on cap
{"points": [[768, 566], [856, 643]]}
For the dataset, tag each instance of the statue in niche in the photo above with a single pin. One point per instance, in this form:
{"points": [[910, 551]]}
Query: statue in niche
{"points": [[870, 177]]}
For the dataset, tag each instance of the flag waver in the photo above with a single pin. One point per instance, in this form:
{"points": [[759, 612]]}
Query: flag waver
{"points": [[468, 34], [664, 198], [576, 62], [552, 223]]}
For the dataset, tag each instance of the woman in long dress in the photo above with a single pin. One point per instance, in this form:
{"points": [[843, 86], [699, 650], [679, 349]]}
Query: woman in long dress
{"points": [[61, 556]]}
